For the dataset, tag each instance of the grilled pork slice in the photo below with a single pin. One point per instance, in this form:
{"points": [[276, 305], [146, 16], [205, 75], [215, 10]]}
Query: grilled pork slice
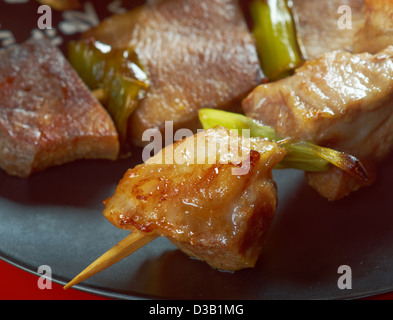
{"points": [[202, 202], [47, 115], [198, 54], [342, 101], [318, 25], [377, 32]]}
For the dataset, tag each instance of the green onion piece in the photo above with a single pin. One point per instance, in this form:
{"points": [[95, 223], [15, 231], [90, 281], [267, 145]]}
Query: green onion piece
{"points": [[305, 156], [124, 96], [117, 76], [276, 39], [211, 118], [301, 155]]}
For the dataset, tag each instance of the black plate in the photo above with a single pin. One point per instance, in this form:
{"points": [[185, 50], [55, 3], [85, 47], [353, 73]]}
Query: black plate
{"points": [[55, 218]]}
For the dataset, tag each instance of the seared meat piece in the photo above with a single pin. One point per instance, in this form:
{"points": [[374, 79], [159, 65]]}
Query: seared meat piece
{"points": [[198, 53], [342, 101], [62, 5], [318, 25], [47, 115], [377, 32], [204, 207]]}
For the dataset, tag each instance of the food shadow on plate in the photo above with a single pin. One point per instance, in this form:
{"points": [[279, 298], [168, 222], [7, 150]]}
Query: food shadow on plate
{"points": [[309, 240], [82, 183]]}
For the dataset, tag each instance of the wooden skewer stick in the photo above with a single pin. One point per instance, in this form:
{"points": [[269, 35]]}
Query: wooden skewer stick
{"points": [[123, 249]]}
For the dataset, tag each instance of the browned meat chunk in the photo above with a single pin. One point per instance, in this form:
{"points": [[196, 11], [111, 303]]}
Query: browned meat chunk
{"points": [[47, 115], [62, 5], [318, 25], [208, 210], [341, 100], [198, 53], [377, 32]]}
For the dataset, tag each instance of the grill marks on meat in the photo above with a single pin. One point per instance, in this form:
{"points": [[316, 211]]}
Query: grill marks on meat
{"points": [[47, 115], [198, 54], [340, 100], [205, 209]]}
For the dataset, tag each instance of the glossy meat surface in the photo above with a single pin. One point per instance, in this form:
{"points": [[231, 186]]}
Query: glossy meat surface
{"points": [[47, 115], [342, 101], [209, 211], [318, 25], [377, 32], [198, 54]]}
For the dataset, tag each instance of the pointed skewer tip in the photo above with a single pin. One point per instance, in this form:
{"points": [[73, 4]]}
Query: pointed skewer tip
{"points": [[123, 249]]}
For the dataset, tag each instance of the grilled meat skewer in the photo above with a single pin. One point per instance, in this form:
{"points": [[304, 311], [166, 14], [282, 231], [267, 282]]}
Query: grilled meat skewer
{"points": [[197, 53], [202, 206], [340, 100], [212, 194]]}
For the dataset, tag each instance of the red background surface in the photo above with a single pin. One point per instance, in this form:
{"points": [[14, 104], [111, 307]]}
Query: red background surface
{"points": [[17, 284]]}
